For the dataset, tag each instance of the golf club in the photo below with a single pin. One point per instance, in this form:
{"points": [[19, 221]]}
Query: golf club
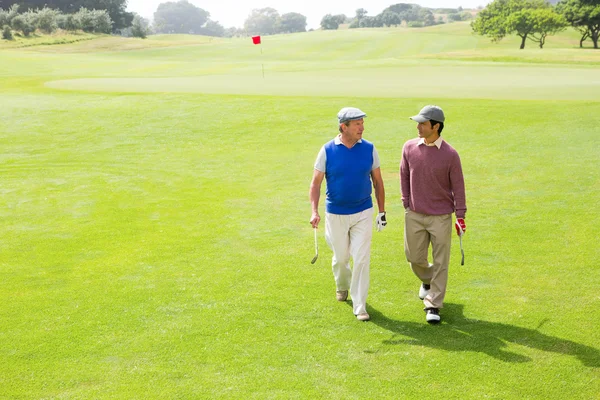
{"points": [[316, 248], [462, 252]]}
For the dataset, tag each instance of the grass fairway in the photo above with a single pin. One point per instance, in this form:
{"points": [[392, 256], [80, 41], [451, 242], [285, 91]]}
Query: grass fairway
{"points": [[155, 239]]}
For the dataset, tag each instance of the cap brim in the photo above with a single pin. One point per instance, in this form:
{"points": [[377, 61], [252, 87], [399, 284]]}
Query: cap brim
{"points": [[353, 118], [419, 118]]}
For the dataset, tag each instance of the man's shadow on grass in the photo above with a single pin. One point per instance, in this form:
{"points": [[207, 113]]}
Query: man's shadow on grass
{"points": [[458, 333]]}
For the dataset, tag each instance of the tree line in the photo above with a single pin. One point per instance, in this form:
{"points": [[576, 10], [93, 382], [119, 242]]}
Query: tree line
{"points": [[412, 15], [535, 20], [49, 20], [114, 8], [532, 20]]}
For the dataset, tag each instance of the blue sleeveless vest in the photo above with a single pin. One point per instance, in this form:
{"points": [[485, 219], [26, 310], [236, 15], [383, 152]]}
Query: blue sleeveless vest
{"points": [[348, 175]]}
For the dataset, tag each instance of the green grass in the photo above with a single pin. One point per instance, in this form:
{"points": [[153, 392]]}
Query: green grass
{"points": [[155, 241]]}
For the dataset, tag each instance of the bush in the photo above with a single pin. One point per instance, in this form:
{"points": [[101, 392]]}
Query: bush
{"points": [[23, 23], [7, 33], [46, 19], [71, 23], [4, 18], [94, 21], [102, 21], [139, 28], [416, 24]]}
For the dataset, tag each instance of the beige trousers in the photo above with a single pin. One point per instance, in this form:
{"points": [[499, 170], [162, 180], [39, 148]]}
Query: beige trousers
{"points": [[419, 231], [350, 235]]}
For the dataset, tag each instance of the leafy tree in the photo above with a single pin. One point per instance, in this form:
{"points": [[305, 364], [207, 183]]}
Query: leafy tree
{"points": [[213, 28], [454, 17], [332, 21], [290, 23], [503, 17], [390, 18], [71, 23], [93, 20], [7, 16], [262, 21], [583, 17], [180, 17], [140, 27], [234, 32], [46, 19], [407, 12], [360, 13], [426, 16], [23, 22], [7, 33], [535, 24]]}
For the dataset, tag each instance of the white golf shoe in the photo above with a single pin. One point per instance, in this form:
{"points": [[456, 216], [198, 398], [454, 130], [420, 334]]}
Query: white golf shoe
{"points": [[363, 317], [341, 295], [432, 315], [424, 291]]}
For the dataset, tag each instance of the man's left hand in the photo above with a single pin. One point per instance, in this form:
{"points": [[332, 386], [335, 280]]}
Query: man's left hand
{"points": [[381, 221]]}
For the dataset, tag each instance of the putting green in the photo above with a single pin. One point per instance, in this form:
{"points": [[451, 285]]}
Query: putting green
{"points": [[518, 82]]}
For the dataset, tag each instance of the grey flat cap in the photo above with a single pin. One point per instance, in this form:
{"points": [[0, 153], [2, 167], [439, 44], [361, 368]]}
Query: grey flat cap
{"points": [[429, 113], [350, 114]]}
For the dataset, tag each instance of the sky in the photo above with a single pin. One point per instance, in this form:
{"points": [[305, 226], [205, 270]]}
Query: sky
{"points": [[233, 13]]}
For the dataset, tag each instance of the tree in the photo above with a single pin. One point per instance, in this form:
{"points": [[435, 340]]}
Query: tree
{"points": [[7, 16], [262, 21], [290, 23], [115, 8], [7, 33], [360, 13], [23, 22], [46, 19], [213, 28], [426, 16], [390, 18], [180, 17], [535, 24], [503, 17], [332, 21], [140, 27], [583, 17]]}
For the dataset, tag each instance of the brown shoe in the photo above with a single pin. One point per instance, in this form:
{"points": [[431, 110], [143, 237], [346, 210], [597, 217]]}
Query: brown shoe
{"points": [[363, 317], [341, 295]]}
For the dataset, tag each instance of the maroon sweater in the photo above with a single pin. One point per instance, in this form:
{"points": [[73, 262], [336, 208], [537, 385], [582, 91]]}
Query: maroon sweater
{"points": [[431, 179]]}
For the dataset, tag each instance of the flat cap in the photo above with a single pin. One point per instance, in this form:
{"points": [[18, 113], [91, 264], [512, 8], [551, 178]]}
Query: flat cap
{"points": [[350, 114]]}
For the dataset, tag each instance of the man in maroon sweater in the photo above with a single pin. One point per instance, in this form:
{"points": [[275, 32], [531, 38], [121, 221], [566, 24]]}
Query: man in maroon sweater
{"points": [[433, 188]]}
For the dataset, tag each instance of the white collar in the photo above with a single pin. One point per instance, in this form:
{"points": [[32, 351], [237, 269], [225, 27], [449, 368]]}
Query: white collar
{"points": [[437, 143], [338, 140]]}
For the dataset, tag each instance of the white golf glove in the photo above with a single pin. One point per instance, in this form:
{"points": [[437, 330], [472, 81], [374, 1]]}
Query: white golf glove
{"points": [[381, 222]]}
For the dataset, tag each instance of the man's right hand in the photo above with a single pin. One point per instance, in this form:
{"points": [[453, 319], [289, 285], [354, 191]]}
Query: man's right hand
{"points": [[315, 219], [460, 226]]}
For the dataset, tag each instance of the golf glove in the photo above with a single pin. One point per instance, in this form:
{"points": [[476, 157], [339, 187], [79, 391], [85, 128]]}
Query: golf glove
{"points": [[381, 222], [460, 226]]}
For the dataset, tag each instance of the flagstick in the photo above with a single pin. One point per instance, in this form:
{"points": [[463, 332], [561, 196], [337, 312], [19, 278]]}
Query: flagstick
{"points": [[263, 65]]}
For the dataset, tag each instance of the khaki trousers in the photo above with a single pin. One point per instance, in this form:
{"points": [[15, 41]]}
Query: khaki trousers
{"points": [[419, 231], [350, 235]]}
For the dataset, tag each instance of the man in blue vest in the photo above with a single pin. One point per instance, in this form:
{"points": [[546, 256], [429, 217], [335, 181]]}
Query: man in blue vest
{"points": [[350, 165]]}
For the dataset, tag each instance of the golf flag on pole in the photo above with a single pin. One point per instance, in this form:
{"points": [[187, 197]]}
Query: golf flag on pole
{"points": [[256, 39]]}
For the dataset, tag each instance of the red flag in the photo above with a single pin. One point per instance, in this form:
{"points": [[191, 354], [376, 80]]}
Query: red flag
{"points": [[256, 39]]}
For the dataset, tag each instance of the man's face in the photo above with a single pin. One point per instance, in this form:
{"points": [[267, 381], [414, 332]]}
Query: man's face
{"points": [[425, 129], [354, 130]]}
